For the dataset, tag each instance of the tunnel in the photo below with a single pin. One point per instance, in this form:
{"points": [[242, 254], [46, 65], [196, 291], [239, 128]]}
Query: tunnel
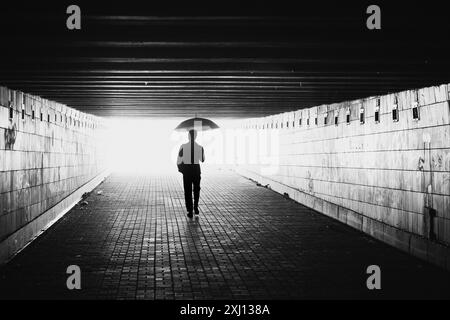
{"points": [[329, 169]]}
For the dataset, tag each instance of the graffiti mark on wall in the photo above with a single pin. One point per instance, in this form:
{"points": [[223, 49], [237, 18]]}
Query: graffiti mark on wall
{"points": [[310, 182], [420, 164], [10, 136], [437, 161]]}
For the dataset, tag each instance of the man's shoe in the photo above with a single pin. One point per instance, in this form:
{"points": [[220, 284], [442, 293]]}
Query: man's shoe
{"points": [[196, 211], [189, 214]]}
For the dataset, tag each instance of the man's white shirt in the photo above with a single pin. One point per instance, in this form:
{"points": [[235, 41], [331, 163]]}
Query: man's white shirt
{"points": [[184, 154]]}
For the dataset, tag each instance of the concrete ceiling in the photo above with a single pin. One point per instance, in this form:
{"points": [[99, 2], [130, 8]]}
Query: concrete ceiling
{"points": [[219, 59]]}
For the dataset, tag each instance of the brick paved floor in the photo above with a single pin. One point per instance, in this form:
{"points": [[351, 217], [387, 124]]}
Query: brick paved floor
{"points": [[134, 241]]}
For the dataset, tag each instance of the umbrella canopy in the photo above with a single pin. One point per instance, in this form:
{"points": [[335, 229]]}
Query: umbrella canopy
{"points": [[200, 124]]}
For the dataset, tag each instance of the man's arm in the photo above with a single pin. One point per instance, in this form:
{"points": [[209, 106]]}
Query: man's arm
{"points": [[180, 156], [203, 154]]}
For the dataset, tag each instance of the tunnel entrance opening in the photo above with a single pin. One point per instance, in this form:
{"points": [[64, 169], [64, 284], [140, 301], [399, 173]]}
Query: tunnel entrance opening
{"points": [[149, 145]]}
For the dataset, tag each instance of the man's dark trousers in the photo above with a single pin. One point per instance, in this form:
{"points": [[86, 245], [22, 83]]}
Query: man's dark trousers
{"points": [[191, 177]]}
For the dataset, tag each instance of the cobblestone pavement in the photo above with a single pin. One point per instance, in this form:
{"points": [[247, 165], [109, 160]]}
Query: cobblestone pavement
{"points": [[134, 241]]}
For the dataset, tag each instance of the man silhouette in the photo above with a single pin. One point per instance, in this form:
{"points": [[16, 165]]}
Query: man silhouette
{"points": [[188, 161]]}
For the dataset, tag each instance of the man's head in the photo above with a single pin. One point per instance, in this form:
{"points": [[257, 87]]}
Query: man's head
{"points": [[192, 135]]}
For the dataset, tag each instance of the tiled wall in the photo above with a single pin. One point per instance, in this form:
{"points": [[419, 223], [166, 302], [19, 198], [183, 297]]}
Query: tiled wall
{"points": [[47, 151], [385, 177]]}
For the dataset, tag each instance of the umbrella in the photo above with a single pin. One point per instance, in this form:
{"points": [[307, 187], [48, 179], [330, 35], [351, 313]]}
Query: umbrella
{"points": [[200, 124]]}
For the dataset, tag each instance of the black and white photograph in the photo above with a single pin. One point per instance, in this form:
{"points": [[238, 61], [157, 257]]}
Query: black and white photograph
{"points": [[224, 158]]}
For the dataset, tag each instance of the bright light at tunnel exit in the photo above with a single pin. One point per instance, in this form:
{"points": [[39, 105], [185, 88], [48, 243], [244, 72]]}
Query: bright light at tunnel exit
{"points": [[151, 145]]}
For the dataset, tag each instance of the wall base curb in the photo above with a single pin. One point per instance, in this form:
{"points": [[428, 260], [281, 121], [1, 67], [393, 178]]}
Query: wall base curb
{"points": [[420, 247], [20, 239]]}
